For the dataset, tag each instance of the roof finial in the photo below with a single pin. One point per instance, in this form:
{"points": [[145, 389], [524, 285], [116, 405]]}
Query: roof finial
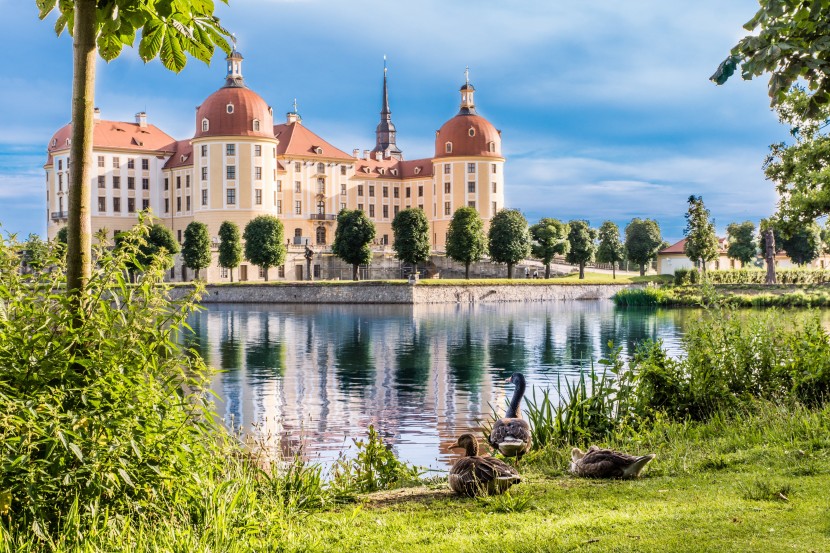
{"points": [[295, 105], [384, 64], [467, 74]]}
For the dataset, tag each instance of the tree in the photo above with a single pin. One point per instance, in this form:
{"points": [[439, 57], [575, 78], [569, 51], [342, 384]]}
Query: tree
{"points": [[642, 242], [158, 242], [825, 237], [610, 249], [35, 252], [549, 238], [61, 236], [169, 30], [742, 244], [354, 232], [196, 247], [411, 231], [788, 41], [582, 239], [466, 242], [509, 238], [264, 242], [230, 248], [802, 242], [770, 241], [701, 241]]}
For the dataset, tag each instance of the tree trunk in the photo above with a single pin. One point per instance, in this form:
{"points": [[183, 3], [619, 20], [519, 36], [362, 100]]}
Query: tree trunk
{"points": [[79, 231], [354, 272], [614, 270], [231, 271], [581, 270], [510, 270], [642, 269], [467, 270], [197, 273], [769, 256], [266, 274], [547, 270]]}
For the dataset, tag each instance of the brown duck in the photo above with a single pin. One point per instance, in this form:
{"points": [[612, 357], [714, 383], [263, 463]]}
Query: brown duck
{"points": [[474, 475], [607, 463], [511, 434]]}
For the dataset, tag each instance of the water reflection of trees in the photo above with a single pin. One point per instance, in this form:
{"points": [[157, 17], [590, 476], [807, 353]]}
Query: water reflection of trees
{"points": [[265, 354], [466, 357], [354, 365], [230, 346], [194, 340], [579, 347], [413, 359], [507, 353], [549, 355]]}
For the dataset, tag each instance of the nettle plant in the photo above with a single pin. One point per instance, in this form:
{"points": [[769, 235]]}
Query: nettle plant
{"points": [[103, 412]]}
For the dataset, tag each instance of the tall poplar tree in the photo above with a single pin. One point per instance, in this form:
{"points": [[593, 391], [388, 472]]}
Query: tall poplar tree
{"points": [[170, 31], [230, 248], [466, 242], [196, 247], [701, 241], [742, 245], [582, 239], [411, 231], [610, 249]]}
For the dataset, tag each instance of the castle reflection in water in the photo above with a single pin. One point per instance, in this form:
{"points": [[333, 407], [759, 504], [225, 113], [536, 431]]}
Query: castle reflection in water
{"points": [[308, 379]]}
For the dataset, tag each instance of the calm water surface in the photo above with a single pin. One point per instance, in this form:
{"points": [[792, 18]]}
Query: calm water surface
{"points": [[308, 379]]}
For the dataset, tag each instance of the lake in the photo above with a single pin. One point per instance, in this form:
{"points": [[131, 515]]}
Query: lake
{"points": [[307, 379]]}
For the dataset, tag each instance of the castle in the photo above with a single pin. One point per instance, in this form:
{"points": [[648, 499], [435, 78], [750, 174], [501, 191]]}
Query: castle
{"points": [[239, 164]]}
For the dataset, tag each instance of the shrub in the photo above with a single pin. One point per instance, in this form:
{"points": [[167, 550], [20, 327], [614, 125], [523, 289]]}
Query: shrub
{"points": [[681, 277]]}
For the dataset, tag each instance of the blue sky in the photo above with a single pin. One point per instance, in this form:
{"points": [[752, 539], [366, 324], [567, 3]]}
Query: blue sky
{"points": [[605, 107]]}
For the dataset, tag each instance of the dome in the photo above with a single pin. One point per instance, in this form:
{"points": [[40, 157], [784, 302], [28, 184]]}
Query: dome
{"points": [[234, 111], [468, 135]]}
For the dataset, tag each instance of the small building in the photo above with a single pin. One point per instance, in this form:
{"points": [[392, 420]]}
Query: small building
{"points": [[674, 257]]}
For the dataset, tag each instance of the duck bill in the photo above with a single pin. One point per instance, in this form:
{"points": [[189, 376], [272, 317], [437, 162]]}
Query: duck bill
{"points": [[453, 446]]}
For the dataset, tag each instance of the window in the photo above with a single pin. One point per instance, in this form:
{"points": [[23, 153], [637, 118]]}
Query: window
{"points": [[204, 173], [258, 196], [187, 181], [360, 207], [100, 161], [447, 168], [60, 183], [371, 191], [279, 207], [145, 204], [494, 188], [321, 186], [371, 210], [343, 170], [145, 164], [116, 182], [130, 205], [491, 147], [471, 167], [257, 173], [166, 205], [495, 208], [229, 108], [223, 272], [102, 183], [205, 125], [145, 184], [342, 189], [471, 204], [386, 212], [230, 149], [256, 125], [130, 183], [257, 149], [395, 210], [447, 208], [385, 191], [446, 188], [321, 167], [116, 162], [281, 271], [396, 192], [317, 270], [204, 197], [166, 183], [102, 204], [420, 191], [298, 166], [359, 189], [230, 172], [231, 196], [471, 187], [298, 186], [471, 132], [178, 204], [279, 186], [60, 165], [408, 192], [204, 150], [116, 205], [321, 207], [342, 206], [494, 168], [178, 182], [448, 147], [385, 240], [187, 205], [130, 163], [298, 207], [180, 241]]}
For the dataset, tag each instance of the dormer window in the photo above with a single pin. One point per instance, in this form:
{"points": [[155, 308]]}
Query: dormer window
{"points": [[491, 146], [54, 142], [471, 132], [229, 108], [68, 142], [382, 170], [256, 125], [318, 150], [393, 171], [448, 147], [367, 169], [417, 170], [205, 125]]}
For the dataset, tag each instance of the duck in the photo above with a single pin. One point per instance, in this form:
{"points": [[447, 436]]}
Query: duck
{"points": [[607, 463], [474, 475], [511, 434]]}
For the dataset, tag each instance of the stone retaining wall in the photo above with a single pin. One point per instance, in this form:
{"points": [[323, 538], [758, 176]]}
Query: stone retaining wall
{"points": [[402, 294]]}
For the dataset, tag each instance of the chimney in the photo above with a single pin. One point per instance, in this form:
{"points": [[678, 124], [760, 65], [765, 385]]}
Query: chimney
{"points": [[379, 156], [141, 119], [293, 117], [356, 153], [365, 154], [96, 114]]}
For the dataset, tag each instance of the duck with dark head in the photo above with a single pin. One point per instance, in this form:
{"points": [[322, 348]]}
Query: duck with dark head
{"points": [[511, 434], [474, 475]]}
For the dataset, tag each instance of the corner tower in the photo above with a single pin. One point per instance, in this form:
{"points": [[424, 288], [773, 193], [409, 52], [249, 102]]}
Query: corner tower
{"points": [[385, 143]]}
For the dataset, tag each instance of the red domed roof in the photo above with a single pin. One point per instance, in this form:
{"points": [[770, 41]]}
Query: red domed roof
{"points": [[470, 135], [245, 105]]}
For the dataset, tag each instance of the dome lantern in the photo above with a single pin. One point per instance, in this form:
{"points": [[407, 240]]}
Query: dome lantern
{"points": [[234, 76]]}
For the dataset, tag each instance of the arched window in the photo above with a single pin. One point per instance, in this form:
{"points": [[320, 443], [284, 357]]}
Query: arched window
{"points": [[298, 232], [256, 125], [491, 146], [205, 125], [321, 236], [229, 108], [321, 167], [448, 147]]}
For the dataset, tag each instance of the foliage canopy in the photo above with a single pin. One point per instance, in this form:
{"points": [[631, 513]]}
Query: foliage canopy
{"points": [[352, 238], [466, 241]]}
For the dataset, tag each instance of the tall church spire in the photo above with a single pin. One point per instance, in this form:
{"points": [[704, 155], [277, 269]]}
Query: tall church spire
{"points": [[385, 132]]}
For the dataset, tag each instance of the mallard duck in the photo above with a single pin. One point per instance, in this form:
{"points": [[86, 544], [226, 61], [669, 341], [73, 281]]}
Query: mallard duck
{"points": [[474, 475], [511, 435], [607, 463]]}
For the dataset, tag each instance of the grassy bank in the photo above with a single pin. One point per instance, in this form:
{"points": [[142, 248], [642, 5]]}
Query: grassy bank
{"points": [[738, 295]]}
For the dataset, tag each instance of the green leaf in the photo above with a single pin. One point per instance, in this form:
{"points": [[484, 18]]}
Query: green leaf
{"points": [[77, 451], [172, 54], [126, 477], [5, 502], [45, 7], [60, 24], [152, 38]]}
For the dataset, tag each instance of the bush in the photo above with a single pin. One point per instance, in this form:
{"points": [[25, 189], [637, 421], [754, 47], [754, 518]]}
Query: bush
{"points": [[758, 276], [681, 277], [106, 415]]}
